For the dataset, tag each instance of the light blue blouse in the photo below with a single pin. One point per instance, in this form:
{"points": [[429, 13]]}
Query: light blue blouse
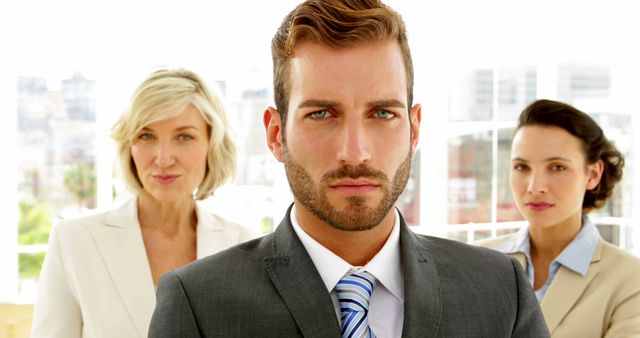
{"points": [[576, 256]]}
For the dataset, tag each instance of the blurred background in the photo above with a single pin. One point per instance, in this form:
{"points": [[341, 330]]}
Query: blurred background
{"points": [[68, 69]]}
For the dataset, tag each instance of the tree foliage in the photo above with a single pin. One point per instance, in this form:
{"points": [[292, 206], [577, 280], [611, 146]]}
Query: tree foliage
{"points": [[80, 180], [34, 226], [34, 223]]}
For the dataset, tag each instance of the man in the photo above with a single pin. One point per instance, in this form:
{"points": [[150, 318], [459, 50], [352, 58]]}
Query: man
{"points": [[343, 261]]}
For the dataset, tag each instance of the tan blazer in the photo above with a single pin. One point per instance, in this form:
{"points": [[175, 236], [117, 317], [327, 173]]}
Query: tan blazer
{"points": [[96, 281], [604, 303]]}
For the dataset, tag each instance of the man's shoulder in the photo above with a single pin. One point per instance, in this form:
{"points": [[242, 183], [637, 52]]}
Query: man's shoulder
{"points": [[245, 256], [447, 250]]}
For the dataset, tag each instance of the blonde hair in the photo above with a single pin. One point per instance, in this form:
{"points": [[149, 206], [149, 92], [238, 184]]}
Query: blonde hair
{"points": [[165, 94]]}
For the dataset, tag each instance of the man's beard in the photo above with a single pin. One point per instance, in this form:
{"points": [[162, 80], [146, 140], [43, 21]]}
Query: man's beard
{"points": [[356, 216]]}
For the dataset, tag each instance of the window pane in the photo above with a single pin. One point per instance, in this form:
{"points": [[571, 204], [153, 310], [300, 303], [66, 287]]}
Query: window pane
{"points": [[516, 89], [506, 208], [30, 266], [56, 161], [481, 234], [470, 178], [576, 81], [471, 96], [409, 200]]}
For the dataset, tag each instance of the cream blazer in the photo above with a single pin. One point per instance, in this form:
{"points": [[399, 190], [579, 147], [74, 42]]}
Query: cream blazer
{"points": [[604, 303], [96, 281]]}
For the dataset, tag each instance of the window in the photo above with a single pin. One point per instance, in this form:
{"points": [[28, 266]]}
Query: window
{"points": [[67, 76], [56, 136]]}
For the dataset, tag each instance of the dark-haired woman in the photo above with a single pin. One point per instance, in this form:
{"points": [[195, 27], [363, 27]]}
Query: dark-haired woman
{"points": [[562, 167]]}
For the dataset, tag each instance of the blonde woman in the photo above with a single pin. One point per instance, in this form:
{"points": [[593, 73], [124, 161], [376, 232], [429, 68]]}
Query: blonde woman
{"points": [[563, 167], [100, 272]]}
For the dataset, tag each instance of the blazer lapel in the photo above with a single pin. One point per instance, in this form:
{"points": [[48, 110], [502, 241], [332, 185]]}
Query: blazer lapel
{"points": [[119, 241], [521, 258], [295, 277], [211, 236], [565, 290], [423, 299]]}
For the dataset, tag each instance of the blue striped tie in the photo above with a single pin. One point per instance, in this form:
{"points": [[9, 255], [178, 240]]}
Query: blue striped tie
{"points": [[354, 292]]}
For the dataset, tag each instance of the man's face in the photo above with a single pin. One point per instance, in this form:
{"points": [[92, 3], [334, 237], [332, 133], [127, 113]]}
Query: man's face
{"points": [[349, 141]]}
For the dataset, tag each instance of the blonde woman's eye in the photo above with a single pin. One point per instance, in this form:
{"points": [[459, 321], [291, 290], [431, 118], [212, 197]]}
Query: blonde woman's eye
{"points": [[185, 137], [145, 136]]}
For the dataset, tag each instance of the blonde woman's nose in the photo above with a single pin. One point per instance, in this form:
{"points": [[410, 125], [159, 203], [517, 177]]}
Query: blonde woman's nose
{"points": [[164, 156]]}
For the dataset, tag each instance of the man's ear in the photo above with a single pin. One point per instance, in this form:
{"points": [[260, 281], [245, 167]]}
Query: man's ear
{"points": [[594, 171], [415, 116], [273, 127]]}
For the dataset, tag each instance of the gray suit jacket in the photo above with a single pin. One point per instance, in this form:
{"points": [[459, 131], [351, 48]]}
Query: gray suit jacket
{"points": [[270, 287]]}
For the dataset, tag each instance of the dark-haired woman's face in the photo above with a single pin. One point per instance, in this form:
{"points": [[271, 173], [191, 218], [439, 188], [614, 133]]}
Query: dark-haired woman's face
{"points": [[549, 175]]}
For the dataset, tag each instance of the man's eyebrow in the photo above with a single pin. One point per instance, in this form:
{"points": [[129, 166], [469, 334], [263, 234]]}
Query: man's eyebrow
{"points": [[329, 103], [318, 103], [392, 103]]}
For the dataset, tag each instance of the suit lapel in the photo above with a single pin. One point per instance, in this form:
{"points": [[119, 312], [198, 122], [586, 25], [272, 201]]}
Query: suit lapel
{"points": [[211, 236], [423, 298], [119, 241], [565, 290], [295, 277]]}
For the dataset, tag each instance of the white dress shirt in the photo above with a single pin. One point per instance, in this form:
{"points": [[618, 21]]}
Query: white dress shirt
{"points": [[386, 307]]}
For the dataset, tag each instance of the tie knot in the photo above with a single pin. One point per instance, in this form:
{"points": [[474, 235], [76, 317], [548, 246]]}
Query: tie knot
{"points": [[354, 291]]}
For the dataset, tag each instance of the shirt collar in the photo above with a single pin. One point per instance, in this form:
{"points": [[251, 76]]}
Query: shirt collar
{"points": [[385, 265], [576, 256], [519, 242]]}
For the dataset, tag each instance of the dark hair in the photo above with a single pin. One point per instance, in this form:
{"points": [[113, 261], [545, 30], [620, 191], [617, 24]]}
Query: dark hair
{"points": [[594, 143], [335, 23]]}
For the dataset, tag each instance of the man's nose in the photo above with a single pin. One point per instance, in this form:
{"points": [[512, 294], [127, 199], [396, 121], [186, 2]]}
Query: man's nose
{"points": [[354, 146]]}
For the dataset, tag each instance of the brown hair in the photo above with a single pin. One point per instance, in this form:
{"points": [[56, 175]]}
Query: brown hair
{"points": [[337, 24], [594, 143]]}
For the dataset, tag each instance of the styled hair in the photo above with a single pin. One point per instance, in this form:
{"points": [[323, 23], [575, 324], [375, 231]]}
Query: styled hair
{"points": [[165, 94], [594, 143], [337, 24]]}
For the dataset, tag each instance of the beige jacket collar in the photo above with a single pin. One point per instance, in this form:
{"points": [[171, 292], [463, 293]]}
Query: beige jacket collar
{"points": [[565, 289], [119, 241]]}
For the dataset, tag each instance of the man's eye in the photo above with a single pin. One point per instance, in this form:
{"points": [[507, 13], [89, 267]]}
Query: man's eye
{"points": [[319, 115], [385, 115]]}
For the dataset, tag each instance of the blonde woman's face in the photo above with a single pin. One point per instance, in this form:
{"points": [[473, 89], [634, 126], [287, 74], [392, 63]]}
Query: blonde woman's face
{"points": [[171, 155]]}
